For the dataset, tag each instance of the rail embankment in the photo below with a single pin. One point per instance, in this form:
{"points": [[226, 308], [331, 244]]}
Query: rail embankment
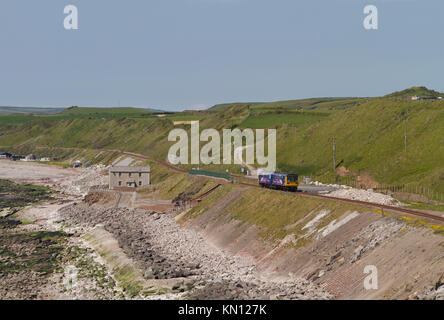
{"points": [[329, 243]]}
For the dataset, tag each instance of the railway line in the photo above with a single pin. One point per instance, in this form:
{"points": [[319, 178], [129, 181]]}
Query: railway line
{"points": [[301, 194], [360, 203]]}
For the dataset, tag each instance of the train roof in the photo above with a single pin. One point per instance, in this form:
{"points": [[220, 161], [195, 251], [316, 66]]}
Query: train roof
{"points": [[276, 174]]}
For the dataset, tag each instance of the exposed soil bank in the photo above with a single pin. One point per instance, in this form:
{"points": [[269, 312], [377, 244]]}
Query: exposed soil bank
{"points": [[329, 244]]}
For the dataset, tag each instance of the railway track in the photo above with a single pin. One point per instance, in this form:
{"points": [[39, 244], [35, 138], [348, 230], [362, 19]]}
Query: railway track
{"points": [[358, 202], [308, 195], [199, 198]]}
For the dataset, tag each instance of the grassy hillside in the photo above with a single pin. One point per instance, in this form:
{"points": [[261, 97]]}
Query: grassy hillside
{"points": [[370, 138], [422, 92], [89, 111], [369, 135], [303, 104], [254, 206], [276, 119], [224, 106], [11, 117]]}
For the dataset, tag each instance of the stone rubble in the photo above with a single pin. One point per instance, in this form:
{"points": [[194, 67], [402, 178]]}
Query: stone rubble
{"points": [[347, 192], [435, 292], [163, 250], [89, 177], [364, 195]]}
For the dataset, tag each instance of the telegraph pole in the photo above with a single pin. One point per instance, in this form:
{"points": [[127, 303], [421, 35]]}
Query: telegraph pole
{"points": [[405, 133], [334, 154]]}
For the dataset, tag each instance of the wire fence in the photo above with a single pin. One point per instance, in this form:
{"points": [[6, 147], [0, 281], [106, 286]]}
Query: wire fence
{"points": [[411, 188], [210, 174]]}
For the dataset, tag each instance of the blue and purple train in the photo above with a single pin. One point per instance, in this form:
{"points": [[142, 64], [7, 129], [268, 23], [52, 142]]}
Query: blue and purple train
{"points": [[281, 181]]}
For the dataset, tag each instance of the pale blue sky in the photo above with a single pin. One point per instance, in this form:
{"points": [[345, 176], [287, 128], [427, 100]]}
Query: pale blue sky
{"points": [[187, 53]]}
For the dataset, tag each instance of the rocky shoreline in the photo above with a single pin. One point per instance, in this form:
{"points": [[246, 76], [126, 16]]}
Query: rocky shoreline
{"points": [[164, 250]]}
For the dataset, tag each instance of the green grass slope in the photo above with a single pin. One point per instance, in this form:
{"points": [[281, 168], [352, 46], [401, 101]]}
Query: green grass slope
{"points": [[87, 110], [370, 138], [302, 104], [72, 113], [369, 135]]}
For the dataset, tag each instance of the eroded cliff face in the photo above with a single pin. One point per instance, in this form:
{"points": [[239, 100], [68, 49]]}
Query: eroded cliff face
{"points": [[338, 247]]}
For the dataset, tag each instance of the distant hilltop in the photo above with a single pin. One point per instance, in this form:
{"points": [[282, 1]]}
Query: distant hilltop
{"points": [[323, 103], [333, 103], [416, 93], [76, 110], [27, 110]]}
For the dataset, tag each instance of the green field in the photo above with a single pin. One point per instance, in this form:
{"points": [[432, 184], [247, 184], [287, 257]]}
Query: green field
{"points": [[76, 113], [11, 119], [302, 104], [369, 135], [273, 120]]}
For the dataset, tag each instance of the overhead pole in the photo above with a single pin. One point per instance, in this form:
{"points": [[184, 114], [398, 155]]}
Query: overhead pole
{"points": [[405, 133], [333, 139]]}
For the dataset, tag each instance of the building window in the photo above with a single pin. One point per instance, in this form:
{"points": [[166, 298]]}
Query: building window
{"points": [[120, 183], [140, 183], [120, 174], [140, 175], [130, 174]]}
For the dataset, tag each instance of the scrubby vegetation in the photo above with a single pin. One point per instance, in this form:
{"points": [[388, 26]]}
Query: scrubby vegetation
{"points": [[41, 255], [19, 195]]}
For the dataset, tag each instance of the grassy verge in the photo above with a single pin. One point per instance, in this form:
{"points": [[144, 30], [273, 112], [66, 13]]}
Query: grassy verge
{"points": [[425, 206], [275, 214]]}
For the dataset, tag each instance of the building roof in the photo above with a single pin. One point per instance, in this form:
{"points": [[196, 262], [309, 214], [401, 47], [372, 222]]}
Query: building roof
{"points": [[130, 169]]}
